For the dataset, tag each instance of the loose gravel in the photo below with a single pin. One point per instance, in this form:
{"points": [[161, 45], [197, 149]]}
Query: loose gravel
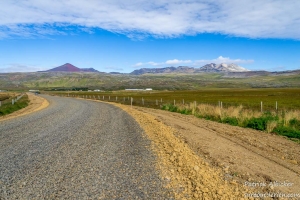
{"points": [[77, 149]]}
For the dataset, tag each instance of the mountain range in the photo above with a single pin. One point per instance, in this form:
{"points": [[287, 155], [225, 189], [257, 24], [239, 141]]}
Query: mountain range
{"points": [[181, 69], [184, 69]]}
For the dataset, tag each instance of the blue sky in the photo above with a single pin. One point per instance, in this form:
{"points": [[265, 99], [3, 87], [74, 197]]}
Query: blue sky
{"points": [[115, 35]]}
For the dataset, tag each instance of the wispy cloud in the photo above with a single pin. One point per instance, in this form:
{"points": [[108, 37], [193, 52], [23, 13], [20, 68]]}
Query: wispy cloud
{"points": [[195, 63], [158, 18], [151, 63], [222, 59], [15, 67], [176, 62]]}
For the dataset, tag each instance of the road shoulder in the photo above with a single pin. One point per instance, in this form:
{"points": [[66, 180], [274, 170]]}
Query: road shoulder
{"points": [[36, 103]]}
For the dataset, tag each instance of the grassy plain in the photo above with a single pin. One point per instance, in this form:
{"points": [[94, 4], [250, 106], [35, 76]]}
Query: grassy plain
{"points": [[172, 81], [240, 107], [287, 98]]}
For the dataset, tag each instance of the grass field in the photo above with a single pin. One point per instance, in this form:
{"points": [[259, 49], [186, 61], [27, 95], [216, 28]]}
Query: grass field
{"points": [[240, 107], [287, 98], [7, 107]]}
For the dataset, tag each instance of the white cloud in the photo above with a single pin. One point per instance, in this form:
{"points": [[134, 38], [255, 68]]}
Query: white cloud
{"points": [[177, 62], [159, 18], [226, 60], [151, 63], [15, 67], [195, 63]]}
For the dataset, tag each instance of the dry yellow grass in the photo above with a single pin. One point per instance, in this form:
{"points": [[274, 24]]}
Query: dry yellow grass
{"points": [[271, 125], [237, 112]]}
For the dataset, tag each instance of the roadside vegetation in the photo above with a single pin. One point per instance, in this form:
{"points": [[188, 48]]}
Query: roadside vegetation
{"points": [[7, 107], [286, 123]]}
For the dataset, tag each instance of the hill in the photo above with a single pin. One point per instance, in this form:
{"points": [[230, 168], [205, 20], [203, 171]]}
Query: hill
{"points": [[166, 81], [70, 68]]}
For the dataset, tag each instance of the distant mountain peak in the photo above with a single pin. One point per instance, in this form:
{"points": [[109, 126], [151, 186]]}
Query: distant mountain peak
{"points": [[70, 68], [212, 67], [223, 67]]}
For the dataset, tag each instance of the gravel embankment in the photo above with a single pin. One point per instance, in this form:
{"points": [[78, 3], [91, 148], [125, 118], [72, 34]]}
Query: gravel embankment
{"points": [[77, 149]]}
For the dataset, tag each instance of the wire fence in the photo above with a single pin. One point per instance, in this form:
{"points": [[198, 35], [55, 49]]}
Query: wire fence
{"points": [[159, 102], [11, 100]]}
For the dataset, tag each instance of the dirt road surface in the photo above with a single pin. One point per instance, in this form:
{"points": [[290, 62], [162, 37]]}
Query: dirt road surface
{"points": [[77, 149], [86, 149], [242, 155]]}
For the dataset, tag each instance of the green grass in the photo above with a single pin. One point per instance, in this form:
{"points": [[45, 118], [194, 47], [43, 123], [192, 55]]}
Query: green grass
{"points": [[8, 108], [288, 100]]}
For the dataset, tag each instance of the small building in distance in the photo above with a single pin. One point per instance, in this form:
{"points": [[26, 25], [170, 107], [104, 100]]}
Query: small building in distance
{"points": [[133, 89]]}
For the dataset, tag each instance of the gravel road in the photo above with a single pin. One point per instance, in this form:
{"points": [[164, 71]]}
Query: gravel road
{"points": [[77, 149]]}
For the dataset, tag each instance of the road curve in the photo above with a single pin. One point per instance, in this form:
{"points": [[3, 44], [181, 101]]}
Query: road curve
{"points": [[77, 149]]}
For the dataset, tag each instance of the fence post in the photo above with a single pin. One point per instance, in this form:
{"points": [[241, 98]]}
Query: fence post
{"points": [[156, 102], [174, 102], [261, 106], [12, 101], [143, 101], [108, 97], [103, 97], [183, 101], [276, 106], [0, 103], [131, 101], [221, 104], [160, 100], [116, 98]]}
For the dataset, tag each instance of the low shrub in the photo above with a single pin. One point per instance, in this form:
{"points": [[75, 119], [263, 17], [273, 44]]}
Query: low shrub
{"points": [[186, 111], [295, 123], [288, 132], [260, 123], [231, 120], [170, 107]]}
